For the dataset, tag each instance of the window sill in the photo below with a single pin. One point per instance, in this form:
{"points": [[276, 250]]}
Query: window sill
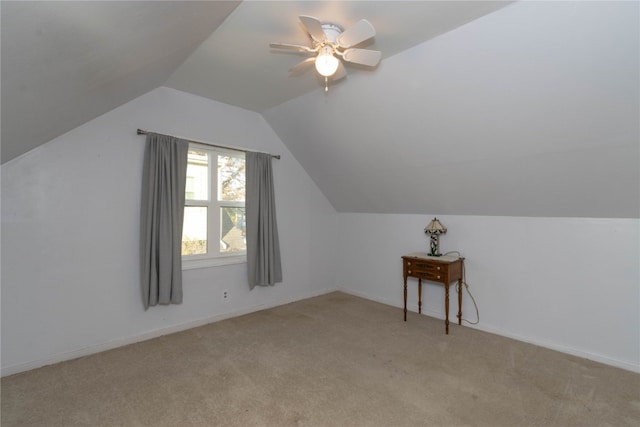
{"points": [[191, 264]]}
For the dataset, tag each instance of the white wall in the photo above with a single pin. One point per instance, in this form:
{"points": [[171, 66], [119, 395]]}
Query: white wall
{"points": [[70, 250], [70, 213], [570, 284]]}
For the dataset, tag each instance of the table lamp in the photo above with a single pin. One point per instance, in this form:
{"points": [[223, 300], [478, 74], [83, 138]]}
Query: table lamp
{"points": [[435, 229]]}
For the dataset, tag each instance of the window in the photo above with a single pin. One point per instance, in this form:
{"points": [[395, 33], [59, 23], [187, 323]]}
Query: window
{"points": [[214, 213]]}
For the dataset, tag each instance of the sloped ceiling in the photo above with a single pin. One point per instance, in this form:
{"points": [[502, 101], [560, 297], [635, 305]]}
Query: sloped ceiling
{"points": [[532, 110], [478, 108], [250, 75], [66, 62]]}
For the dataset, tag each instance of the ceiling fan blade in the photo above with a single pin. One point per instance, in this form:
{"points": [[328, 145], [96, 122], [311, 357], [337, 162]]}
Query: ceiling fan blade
{"points": [[370, 58], [361, 31], [301, 66], [313, 27], [340, 73], [291, 47]]}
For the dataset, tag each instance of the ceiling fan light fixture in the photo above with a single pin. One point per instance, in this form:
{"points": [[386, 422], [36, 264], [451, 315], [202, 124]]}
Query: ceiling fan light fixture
{"points": [[326, 63], [331, 45]]}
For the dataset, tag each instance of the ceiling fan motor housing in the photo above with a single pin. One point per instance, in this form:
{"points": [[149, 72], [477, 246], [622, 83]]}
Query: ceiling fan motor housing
{"points": [[332, 31], [330, 42]]}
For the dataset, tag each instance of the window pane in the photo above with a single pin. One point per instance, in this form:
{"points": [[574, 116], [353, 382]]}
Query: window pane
{"points": [[231, 178], [232, 230], [197, 187], [194, 230]]}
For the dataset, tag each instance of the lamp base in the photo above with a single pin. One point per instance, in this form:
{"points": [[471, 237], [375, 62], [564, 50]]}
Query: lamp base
{"points": [[434, 245]]}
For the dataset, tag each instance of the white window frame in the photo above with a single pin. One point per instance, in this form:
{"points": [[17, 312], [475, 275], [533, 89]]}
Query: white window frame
{"points": [[213, 257]]}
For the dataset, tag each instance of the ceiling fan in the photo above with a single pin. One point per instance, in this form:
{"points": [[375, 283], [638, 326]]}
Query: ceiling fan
{"points": [[330, 40]]}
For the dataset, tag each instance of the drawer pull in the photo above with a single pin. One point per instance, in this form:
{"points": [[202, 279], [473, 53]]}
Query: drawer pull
{"points": [[409, 272], [438, 277], [438, 268]]}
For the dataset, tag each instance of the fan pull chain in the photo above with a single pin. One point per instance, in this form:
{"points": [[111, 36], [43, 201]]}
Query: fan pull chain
{"points": [[326, 84]]}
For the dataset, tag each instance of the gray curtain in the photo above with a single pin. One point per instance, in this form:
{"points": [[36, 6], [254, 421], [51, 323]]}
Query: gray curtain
{"points": [[263, 247], [162, 214]]}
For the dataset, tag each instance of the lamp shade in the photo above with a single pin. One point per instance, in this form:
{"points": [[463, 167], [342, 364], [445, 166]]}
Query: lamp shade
{"points": [[326, 63], [435, 227]]}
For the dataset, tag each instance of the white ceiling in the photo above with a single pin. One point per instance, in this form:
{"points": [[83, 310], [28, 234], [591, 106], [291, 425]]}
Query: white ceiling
{"points": [[482, 108], [532, 110], [251, 75], [65, 63]]}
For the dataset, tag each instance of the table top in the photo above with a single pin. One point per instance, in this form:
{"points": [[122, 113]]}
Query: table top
{"points": [[424, 255]]}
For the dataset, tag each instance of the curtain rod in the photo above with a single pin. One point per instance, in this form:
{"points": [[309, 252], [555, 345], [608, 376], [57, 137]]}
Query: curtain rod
{"points": [[144, 132]]}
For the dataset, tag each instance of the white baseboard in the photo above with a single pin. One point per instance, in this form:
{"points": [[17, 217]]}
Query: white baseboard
{"points": [[97, 348], [563, 349], [93, 349], [499, 331]]}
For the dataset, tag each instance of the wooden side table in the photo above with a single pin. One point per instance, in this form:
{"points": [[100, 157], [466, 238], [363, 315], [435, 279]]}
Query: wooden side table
{"points": [[443, 269]]}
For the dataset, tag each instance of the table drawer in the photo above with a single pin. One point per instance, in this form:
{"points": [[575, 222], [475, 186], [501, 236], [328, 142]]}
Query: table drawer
{"points": [[429, 275], [429, 266], [419, 265]]}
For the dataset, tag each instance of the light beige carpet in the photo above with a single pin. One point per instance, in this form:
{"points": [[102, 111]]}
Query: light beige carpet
{"points": [[334, 360]]}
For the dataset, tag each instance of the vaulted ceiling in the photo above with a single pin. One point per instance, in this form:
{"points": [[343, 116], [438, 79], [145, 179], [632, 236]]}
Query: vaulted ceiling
{"points": [[479, 108]]}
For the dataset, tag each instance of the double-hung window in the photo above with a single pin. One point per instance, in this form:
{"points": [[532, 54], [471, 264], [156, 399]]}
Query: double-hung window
{"points": [[214, 230]]}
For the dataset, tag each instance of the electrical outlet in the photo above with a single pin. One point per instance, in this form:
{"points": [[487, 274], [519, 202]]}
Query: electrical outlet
{"points": [[225, 295]]}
